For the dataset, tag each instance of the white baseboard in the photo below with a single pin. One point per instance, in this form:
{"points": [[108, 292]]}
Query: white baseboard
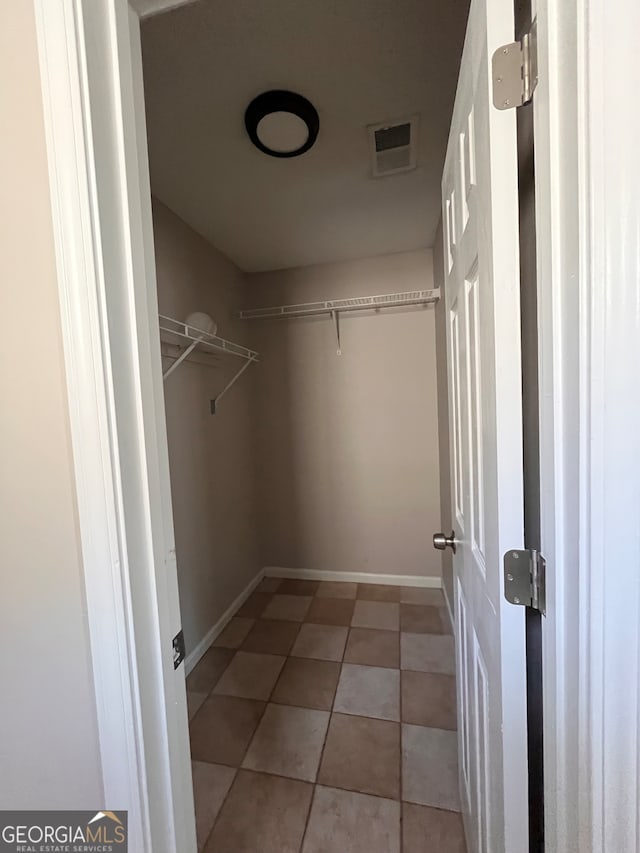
{"points": [[449, 608], [205, 643], [429, 582]]}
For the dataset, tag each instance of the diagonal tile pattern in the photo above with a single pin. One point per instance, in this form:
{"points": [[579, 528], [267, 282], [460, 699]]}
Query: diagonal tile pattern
{"points": [[362, 754], [272, 637], [372, 647], [223, 728], [211, 783], [342, 821], [250, 676], [194, 701], [255, 604], [369, 691], [208, 670], [418, 619], [323, 642], [430, 767], [429, 699], [442, 828], [323, 721], [290, 607], [376, 614], [288, 742], [233, 635], [261, 814], [307, 683], [427, 653], [331, 611]]}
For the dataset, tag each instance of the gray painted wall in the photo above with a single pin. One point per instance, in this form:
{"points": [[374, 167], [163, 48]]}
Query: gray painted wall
{"points": [[210, 457], [48, 738], [347, 464]]}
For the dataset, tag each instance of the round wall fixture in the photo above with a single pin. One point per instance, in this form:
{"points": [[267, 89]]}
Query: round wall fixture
{"points": [[281, 123]]}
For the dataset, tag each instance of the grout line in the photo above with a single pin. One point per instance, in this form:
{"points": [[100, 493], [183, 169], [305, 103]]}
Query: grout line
{"points": [[335, 787], [278, 654], [333, 701], [239, 767], [211, 689], [378, 719], [266, 705], [244, 754], [308, 818], [222, 805], [331, 712], [324, 744], [435, 808], [273, 775]]}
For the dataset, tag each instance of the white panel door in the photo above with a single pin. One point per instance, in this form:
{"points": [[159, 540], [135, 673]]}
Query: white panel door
{"points": [[480, 217]]}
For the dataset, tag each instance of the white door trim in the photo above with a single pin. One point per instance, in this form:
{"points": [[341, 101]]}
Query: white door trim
{"points": [[588, 226], [610, 439], [91, 408], [101, 219]]}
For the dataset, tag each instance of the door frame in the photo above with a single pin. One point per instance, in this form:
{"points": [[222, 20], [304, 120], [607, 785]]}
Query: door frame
{"points": [[587, 227], [589, 421], [93, 100]]}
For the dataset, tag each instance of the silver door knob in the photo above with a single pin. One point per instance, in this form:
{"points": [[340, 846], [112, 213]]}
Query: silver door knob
{"points": [[441, 542]]}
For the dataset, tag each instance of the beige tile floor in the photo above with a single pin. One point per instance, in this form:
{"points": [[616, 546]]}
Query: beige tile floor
{"points": [[323, 721]]}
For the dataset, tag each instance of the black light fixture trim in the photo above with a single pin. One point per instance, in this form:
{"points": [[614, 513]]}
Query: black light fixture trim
{"points": [[276, 101]]}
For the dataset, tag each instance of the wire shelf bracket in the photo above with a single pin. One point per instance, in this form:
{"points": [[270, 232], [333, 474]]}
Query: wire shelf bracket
{"points": [[191, 338]]}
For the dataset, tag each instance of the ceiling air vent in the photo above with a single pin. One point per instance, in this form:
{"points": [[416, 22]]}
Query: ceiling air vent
{"points": [[394, 146]]}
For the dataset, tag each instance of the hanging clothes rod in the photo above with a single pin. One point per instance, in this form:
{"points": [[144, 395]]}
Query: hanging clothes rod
{"points": [[335, 306], [206, 342]]}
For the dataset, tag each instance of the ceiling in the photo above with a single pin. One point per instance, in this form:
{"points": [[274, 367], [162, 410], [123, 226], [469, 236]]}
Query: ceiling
{"points": [[360, 62]]}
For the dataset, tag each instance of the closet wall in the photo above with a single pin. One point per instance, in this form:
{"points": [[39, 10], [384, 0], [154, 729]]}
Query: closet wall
{"points": [[212, 474], [347, 465]]}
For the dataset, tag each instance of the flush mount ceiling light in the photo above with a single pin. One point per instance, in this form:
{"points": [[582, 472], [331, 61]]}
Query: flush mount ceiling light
{"points": [[282, 124]]}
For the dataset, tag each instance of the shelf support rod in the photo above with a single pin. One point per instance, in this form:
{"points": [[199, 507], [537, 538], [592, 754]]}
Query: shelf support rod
{"points": [[336, 318], [231, 382], [181, 358]]}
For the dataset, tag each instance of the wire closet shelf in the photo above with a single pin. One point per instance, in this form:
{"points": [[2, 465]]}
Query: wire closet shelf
{"points": [[334, 306], [190, 337]]}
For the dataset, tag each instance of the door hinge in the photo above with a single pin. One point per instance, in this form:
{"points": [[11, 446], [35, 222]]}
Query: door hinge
{"points": [[524, 579], [514, 71]]}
